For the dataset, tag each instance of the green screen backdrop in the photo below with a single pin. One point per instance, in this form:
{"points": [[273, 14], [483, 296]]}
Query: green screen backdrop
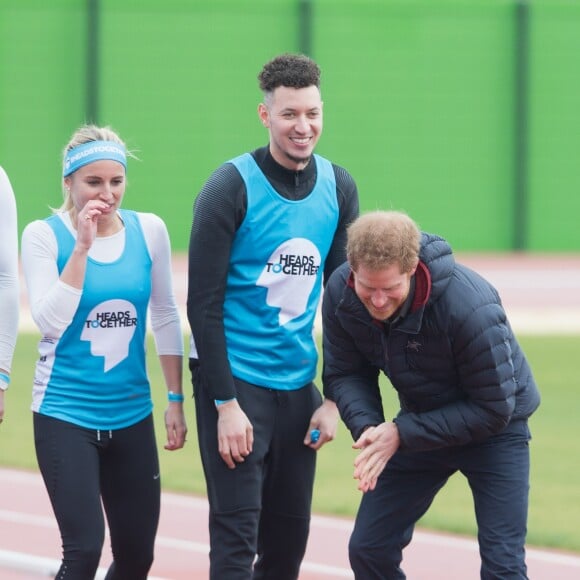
{"points": [[462, 112]]}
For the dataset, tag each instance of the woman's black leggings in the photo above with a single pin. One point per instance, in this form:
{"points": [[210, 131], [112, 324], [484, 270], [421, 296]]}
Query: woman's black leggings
{"points": [[82, 468]]}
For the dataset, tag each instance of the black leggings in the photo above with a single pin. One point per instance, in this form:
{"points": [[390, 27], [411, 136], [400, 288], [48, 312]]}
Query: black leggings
{"points": [[81, 468]]}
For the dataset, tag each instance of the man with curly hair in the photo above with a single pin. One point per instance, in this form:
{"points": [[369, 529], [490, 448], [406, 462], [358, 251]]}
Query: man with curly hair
{"points": [[269, 227]]}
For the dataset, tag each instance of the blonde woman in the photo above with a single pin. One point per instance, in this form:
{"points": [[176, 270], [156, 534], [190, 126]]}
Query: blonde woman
{"points": [[93, 270]]}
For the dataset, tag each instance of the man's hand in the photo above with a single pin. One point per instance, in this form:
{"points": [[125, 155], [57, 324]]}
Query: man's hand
{"points": [[235, 433], [378, 445], [325, 420]]}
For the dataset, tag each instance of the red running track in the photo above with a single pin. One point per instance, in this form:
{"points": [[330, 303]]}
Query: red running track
{"points": [[30, 544]]}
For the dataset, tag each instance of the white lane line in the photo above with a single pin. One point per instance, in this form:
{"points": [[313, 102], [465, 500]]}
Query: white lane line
{"points": [[42, 566], [318, 521]]}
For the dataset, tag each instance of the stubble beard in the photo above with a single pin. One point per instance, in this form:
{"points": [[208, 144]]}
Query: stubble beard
{"points": [[299, 160]]}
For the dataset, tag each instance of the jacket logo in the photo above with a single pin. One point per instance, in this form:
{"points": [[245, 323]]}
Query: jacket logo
{"points": [[414, 345]]}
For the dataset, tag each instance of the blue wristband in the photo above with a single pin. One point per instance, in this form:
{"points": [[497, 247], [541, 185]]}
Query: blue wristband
{"points": [[175, 397], [219, 402], [4, 377]]}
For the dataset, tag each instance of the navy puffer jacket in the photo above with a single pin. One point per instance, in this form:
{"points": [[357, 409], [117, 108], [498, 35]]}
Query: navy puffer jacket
{"points": [[460, 374]]}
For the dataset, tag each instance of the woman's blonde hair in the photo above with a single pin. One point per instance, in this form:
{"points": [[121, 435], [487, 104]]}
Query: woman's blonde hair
{"points": [[86, 134]]}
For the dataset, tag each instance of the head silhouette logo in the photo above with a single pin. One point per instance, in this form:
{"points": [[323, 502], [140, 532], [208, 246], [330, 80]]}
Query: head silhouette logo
{"points": [[290, 275], [109, 328]]}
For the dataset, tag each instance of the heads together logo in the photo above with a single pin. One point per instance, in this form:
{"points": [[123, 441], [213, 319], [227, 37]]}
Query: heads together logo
{"points": [[109, 328], [290, 275]]}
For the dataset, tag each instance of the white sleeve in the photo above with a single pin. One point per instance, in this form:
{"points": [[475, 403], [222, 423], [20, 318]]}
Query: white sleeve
{"points": [[165, 321], [9, 288], [52, 303]]}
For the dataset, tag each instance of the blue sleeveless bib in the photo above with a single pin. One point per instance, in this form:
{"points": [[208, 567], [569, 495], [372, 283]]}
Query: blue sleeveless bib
{"points": [[275, 279], [95, 374]]}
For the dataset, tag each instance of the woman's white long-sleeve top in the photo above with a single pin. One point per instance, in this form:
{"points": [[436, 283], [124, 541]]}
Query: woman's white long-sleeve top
{"points": [[9, 287], [53, 303]]}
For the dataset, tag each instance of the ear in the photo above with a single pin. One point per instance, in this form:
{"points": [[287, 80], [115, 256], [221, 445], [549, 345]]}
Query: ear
{"points": [[414, 268], [264, 115], [66, 182]]}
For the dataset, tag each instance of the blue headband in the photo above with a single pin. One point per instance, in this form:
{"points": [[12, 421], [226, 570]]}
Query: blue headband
{"points": [[93, 151]]}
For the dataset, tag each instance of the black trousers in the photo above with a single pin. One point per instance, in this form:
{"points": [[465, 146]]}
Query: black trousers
{"points": [[81, 468], [262, 507], [497, 471]]}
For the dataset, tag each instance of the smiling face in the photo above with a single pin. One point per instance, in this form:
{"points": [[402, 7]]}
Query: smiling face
{"points": [[383, 291], [294, 120], [101, 180]]}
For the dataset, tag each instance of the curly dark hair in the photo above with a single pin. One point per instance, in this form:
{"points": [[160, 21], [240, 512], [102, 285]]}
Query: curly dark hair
{"points": [[296, 71]]}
